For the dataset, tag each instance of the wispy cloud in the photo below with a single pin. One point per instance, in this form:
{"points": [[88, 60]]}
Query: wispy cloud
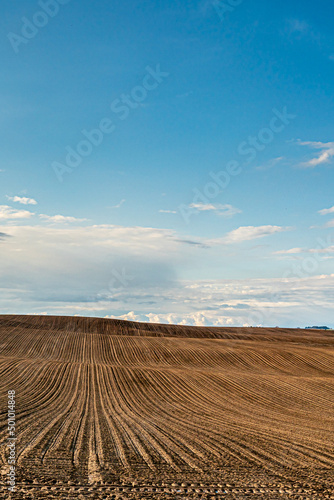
{"points": [[22, 200], [270, 164], [326, 153], [217, 208], [247, 233], [222, 210], [185, 94], [60, 218], [297, 251], [291, 251], [119, 204], [298, 26], [8, 213], [326, 211]]}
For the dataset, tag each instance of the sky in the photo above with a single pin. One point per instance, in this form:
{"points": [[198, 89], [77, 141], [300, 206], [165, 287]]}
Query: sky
{"points": [[168, 161]]}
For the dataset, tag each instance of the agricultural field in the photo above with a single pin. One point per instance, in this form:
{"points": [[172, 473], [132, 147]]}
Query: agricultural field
{"points": [[115, 409]]}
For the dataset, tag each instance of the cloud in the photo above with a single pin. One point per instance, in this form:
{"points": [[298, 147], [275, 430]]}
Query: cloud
{"points": [[290, 251], [270, 164], [247, 233], [221, 210], [201, 244], [296, 251], [185, 94], [299, 29], [9, 213], [136, 273], [298, 26], [326, 211], [324, 157], [22, 200], [3, 236], [58, 219], [200, 318], [119, 204], [130, 316], [281, 301], [77, 258]]}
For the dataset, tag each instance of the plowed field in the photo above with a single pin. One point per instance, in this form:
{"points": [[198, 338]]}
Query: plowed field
{"points": [[115, 409]]}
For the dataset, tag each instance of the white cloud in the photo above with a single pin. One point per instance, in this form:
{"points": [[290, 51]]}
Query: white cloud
{"points": [[290, 301], [326, 211], [60, 218], [325, 155], [22, 200], [200, 318], [296, 251], [247, 233], [168, 211], [130, 316], [9, 213], [222, 210], [290, 251], [79, 270]]}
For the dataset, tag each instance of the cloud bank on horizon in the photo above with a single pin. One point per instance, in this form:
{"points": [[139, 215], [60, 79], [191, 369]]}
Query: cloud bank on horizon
{"points": [[150, 118]]}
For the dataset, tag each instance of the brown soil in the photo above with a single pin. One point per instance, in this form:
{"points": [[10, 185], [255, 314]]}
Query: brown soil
{"points": [[115, 409]]}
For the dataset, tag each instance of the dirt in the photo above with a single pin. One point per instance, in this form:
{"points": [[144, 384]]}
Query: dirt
{"points": [[115, 409]]}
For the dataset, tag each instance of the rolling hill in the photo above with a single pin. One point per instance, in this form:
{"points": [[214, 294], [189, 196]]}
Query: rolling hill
{"points": [[115, 409]]}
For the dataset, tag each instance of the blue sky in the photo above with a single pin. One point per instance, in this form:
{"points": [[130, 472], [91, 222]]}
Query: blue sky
{"points": [[168, 161]]}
